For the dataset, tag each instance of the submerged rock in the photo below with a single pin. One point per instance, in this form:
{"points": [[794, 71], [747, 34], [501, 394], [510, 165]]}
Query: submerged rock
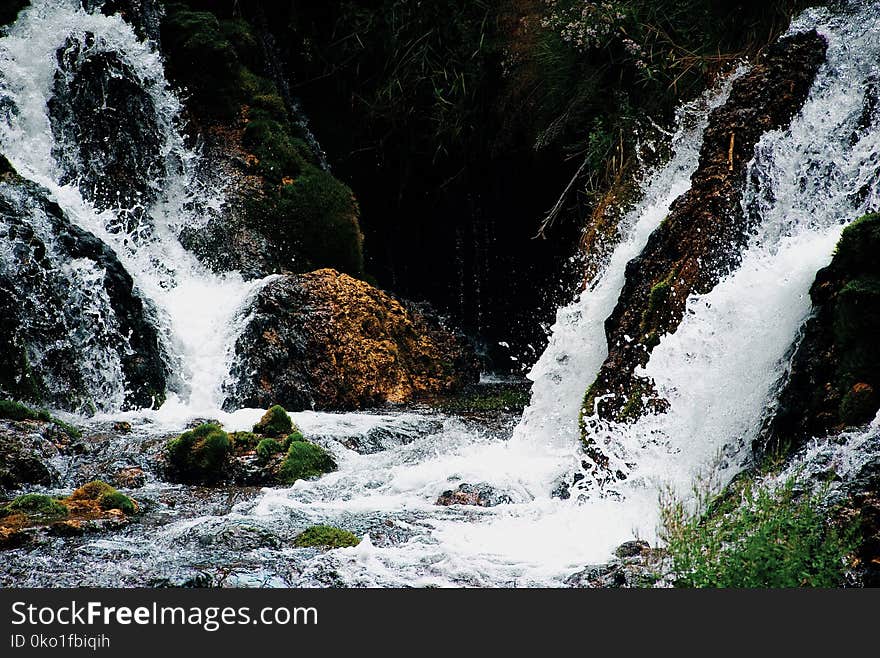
{"points": [[480, 495], [835, 373], [327, 341]]}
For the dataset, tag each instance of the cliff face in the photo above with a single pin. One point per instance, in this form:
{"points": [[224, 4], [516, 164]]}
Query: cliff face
{"points": [[325, 340], [702, 237]]}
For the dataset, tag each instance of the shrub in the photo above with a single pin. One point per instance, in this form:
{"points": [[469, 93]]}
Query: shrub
{"points": [[304, 460], [325, 536], [763, 537], [200, 454], [36, 506]]}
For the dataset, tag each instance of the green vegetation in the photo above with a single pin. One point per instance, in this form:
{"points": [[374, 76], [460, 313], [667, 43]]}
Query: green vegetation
{"points": [[199, 455], [106, 496], [275, 423], [244, 441], [116, 500], [325, 536], [268, 448], [17, 411], [36, 506], [755, 535], [304, 460], [309, 215]]}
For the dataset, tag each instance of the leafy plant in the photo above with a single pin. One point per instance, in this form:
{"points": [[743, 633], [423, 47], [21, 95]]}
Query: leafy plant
{"points": [[756, 535]]}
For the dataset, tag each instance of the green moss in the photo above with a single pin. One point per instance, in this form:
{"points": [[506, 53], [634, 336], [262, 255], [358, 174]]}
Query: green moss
{"points": [[244, 441], [857, 248], [116, 500], [856, 329], [92, 491], [275, 423], [268, 448], [325, 536], [199, 455], [17, 411], [487, 399], [36, 506], [304, 460], [202, 58], [296, 435], [315, 220]]}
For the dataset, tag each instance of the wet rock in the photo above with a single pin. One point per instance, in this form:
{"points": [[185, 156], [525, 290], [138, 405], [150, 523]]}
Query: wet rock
{"points": [[702, 237], [67, 309], [107, 130], [327, 341], [130, 478], [835, 371], [634, 548], [480, 495], [122, 427]]}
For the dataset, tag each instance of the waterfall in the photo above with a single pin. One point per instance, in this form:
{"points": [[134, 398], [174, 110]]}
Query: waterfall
{"points": [[721, 368], [46, 133]]}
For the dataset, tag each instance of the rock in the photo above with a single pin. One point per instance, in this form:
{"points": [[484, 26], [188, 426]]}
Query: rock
{"points": [[633, 548], [68, 310], [702, 237], [835, 371], [131, 477], [122, 427], [327, 341], [480, 495], [107, 133]]}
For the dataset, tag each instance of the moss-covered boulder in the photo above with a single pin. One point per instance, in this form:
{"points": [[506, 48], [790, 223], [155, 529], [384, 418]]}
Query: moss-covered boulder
{"points": [[835, 372], [200, 455], [38, 507], [104, 496], [268, 448], [325, 537], [303, 461], [275, 423]]}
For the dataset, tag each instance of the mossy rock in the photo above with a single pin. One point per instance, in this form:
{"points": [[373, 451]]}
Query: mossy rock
{"points": [[36, 506], [275, 423], [199, 455], [105, 496], [857, 248], [17, 411], [92, 491], [117, 500], [268, 448], [325, 536], [244, 441], [305, 460]]}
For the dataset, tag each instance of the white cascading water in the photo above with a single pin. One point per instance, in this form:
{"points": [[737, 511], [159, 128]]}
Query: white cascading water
{"points": [[200, 313], [718, 370]]}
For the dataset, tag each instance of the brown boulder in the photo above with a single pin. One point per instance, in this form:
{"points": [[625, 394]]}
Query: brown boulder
{"points": [[325, 340]]}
